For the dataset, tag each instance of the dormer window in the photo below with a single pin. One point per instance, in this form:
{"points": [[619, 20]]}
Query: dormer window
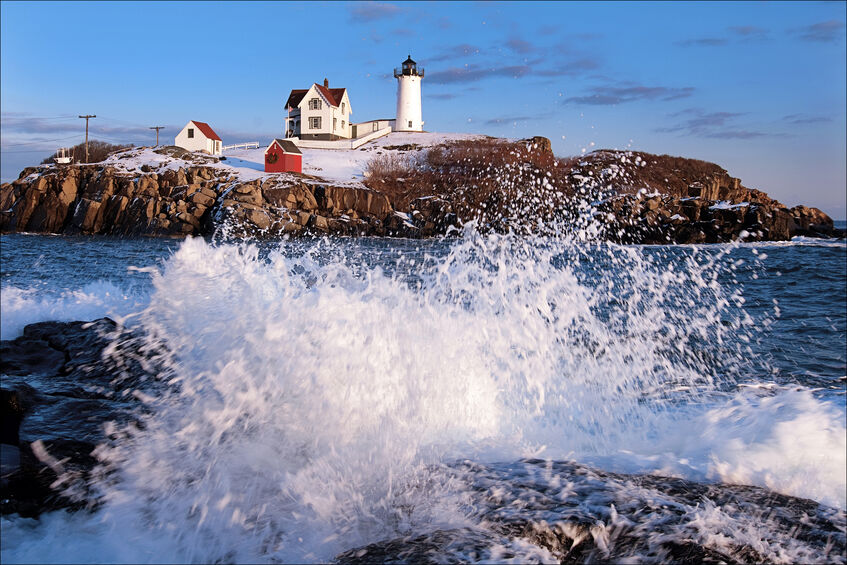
{"points": [[315, 104]]}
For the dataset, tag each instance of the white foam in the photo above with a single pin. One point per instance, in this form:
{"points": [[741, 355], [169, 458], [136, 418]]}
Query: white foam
{"points": [[313, 392], [22, 306]]}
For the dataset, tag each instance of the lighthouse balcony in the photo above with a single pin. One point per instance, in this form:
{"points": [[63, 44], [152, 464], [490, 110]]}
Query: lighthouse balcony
{"points": [[408, 72]]}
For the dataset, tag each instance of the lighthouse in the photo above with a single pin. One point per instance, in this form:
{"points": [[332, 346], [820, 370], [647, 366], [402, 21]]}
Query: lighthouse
{"points": [[409, 96]]}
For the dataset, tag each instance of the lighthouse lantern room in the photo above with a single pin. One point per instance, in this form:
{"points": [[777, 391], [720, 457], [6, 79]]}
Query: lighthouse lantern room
{"points": [[409, 117]]}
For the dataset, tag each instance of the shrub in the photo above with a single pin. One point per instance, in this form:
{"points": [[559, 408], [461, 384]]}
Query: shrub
{"points": [[500, 184], [97, 151]]}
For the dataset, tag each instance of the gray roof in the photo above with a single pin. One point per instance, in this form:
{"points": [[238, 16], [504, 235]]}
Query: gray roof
{"points": [[288, 146]]}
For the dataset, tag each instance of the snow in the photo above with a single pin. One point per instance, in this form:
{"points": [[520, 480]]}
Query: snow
{"points": [[727, 205], [647, 194], [343, 167]]}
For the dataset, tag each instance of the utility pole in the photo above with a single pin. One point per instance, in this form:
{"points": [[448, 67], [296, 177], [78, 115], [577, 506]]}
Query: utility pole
{"points": [[86, 134], [157, 128]]}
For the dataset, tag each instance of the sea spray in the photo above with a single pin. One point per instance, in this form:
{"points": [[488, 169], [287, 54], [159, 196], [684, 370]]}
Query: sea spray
{"points": [[308, 394], [315, 398]]}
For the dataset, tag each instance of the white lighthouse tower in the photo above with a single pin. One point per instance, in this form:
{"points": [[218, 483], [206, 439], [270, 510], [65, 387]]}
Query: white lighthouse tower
{"points": [[409, 96]]}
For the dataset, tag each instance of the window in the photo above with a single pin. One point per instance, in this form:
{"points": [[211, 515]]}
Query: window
{"points": [[342, 107], [315, 123], [334, 124], [315, 104], [343, 124], [376, 126], [410, 123], [190, 133]]}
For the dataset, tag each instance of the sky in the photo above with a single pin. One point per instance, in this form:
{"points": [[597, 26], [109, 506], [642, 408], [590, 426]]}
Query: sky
{"points": [[759, 88]]}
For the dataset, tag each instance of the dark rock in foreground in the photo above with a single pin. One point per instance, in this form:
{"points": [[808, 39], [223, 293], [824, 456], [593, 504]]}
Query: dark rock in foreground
{"points": [[580, 515], [62, 381]]}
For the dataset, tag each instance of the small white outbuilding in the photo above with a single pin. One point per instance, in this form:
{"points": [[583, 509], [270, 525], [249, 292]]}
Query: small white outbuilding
{"points": [[198, 136]]}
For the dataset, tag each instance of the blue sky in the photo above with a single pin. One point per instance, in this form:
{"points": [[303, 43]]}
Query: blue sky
{"points": [[759, 88]]}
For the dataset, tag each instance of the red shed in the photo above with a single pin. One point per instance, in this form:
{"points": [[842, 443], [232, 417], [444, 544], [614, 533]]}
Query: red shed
{"points": [[282, 156]]}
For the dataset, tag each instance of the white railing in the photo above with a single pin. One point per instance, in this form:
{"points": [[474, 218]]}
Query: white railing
{"points": [[248, 145], [340, 143]]}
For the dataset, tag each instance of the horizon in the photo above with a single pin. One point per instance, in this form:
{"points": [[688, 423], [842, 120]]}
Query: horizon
{"points": [[758, 89]]}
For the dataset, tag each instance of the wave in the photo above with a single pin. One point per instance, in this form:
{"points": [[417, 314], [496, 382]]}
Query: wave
{"points": [[23, 306], [309, 391]]}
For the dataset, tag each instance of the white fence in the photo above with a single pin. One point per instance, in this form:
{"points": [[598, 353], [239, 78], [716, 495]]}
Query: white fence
{"points": [[248, 145], [340, 143]]}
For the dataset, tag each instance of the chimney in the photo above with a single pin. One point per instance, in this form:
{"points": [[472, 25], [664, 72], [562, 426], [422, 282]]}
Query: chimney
{"points": [[326, 83]]}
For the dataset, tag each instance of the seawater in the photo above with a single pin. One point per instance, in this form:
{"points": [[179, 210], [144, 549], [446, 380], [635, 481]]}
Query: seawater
{"points": [[318, 383]]}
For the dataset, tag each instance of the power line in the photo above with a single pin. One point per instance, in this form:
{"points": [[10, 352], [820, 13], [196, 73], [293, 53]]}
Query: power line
{"points": [[42, 141], [25, 151], [108, 119], [8, 117]]}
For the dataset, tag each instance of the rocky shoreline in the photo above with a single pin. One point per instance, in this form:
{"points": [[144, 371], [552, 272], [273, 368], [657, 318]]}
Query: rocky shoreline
{"points": [[195, 194]]}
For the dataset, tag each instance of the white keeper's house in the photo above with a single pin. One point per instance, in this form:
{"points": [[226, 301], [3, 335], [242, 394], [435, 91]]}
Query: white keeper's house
{"points": [[319, 112], [199, 136]]}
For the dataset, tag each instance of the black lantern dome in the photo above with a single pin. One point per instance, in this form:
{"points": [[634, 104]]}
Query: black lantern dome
{"points": [[409, 68]]}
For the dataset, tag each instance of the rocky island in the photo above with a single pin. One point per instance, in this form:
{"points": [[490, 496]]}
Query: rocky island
{"points": [[419, 186]]}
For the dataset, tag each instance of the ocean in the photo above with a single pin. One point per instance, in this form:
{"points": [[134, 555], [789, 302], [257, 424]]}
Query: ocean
{"points": [[489, 398]]}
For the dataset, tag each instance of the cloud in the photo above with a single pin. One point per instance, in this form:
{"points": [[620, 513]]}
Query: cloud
{"points": [[714, 125], [373, 11], [702, 42], [473, 73], [548, 30], [800, 119], [737, 134], [446, 96], [405, 32], [748, 31], [571, 67], [611, 95], [24, 124], [702, 123], [520, 46], [455, 52], [444, 23], [821, 32], [509, 120], [736, 33]]}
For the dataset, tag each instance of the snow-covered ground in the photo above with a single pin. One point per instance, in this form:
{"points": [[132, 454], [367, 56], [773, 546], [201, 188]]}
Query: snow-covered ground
{"points": [[343, 167]]}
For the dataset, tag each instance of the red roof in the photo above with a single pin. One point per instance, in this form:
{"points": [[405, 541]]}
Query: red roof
{"points": [[207, 131], [332, 95], [286, 146]]}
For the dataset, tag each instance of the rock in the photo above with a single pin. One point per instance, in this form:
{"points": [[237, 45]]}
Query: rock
{"points": [[202, 198], [319, 223], [811, 221], [258, 218], [62, 382], [539, 143], [303, 218], [198, 199], [537, 506], [85, 215], [10, 463], [189, 219]]}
